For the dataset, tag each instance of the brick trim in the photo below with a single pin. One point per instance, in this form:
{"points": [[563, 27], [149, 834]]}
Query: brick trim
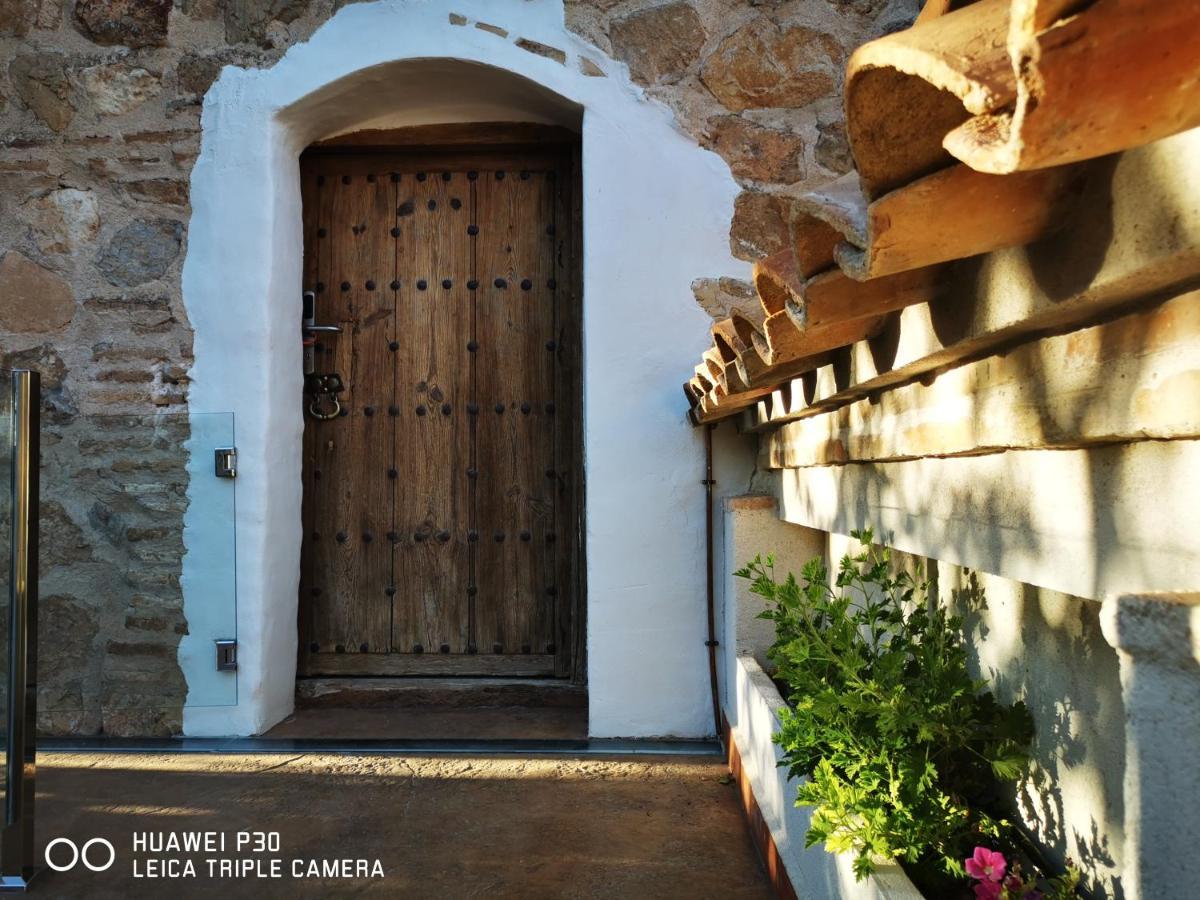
{"points": [[760, 832]]}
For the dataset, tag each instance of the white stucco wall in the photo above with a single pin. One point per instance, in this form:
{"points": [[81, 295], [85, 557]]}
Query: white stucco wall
{"points": [[656, 215]]}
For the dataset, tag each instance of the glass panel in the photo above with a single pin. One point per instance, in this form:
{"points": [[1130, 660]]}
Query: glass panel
{"points": [[209, 572], [134, 517], [6, 520]]}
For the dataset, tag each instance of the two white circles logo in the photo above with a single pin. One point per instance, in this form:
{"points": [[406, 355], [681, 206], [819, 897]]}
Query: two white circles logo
{"points": [[83, 854]]}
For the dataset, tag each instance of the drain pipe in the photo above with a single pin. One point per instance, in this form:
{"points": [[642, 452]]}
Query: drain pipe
{"points": [[712, 642]]}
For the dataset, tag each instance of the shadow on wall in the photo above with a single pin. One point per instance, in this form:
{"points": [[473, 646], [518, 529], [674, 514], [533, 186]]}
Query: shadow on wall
{"points": [[1046, 648], [1031, 642]]}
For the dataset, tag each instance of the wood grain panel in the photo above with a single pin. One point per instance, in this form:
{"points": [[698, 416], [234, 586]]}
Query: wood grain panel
{"points": [[448, 664], [310, 192], [570, 640], [362, 264], [433, 432], [406, 492], [326, 442], [517, 347]]}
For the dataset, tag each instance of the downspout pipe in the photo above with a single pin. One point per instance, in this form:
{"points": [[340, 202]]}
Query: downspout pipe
{"points": [[712, 642]]}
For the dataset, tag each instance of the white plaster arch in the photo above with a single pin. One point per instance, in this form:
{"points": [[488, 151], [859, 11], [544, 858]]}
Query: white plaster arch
{"points": [[656, 215]]}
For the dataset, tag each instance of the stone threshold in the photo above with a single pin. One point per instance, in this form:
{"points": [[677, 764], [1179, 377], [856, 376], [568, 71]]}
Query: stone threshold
{"points": [[408, 692], [604, 747]]}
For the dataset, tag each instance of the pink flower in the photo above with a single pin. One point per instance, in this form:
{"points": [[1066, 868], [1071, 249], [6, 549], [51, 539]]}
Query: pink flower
{"points": [[987, 890], [987, 865]]}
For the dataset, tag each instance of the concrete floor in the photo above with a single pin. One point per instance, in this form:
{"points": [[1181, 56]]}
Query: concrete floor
{"points": [[440, 723], [440, 827]]}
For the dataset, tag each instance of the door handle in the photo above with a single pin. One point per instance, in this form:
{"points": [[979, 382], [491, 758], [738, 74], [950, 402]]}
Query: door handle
{"points": [[322, 329]]}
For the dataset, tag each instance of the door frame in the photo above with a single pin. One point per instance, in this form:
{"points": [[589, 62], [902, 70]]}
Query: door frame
{"points": [[426, 145]]}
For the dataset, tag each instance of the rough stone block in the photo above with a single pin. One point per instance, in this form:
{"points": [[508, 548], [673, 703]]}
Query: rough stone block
{"points": [[140, 252], [40, 80], [160, 190], [197, 72], [35, 299], [755, 151], [117, 88], [128, 23], [764, 65], [16, 17], [63, 221], [63, 542], [832, 151], [658, 42], [248, 21], [67, 629], [760, 224]]}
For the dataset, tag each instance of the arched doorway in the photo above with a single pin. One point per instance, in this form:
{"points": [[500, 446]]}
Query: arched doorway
{"points": [[655, 211]]}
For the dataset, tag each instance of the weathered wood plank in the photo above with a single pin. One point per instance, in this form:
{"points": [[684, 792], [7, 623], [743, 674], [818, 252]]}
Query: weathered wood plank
{"points": [[782, 342], [451, 664], [432, 425], [350, 521], [517, 353], [832, 296], [322, 439], [570, 615], [469, 134], [310, 196], [1133, 378]]}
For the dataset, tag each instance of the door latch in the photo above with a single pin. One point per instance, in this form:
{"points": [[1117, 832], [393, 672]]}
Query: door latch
{"points": [[225, 462], [226, 654]]}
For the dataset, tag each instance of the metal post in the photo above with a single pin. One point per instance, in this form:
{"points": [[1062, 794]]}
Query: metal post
{"points": [[17, 838]]}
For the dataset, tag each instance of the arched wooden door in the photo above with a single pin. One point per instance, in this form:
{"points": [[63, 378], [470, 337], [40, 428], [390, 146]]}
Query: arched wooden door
{"points": [[442, 505]]}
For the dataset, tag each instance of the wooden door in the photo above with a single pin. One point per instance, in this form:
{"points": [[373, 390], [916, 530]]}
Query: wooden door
{"points": [[441, 508]]}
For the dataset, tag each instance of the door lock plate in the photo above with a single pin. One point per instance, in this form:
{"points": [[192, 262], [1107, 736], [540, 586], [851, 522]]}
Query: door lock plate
{"points": [[226, 655], [225, 462]]}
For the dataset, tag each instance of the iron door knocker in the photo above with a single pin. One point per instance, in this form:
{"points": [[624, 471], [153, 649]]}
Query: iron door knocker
{"points": [[324, 390]]}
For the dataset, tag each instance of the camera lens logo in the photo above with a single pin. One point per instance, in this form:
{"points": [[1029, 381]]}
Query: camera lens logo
{"points": [[92, 858]]}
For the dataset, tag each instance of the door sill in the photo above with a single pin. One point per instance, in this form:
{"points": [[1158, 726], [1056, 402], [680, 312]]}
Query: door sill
{"points": [[445, 693], [463, 665]]}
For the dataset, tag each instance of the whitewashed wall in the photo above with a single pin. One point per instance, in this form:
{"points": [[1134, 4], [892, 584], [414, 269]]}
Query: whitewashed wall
{"points": [[656, 215]]}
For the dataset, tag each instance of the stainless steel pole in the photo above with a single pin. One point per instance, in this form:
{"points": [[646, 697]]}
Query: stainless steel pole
{"points": [[17, 839]]}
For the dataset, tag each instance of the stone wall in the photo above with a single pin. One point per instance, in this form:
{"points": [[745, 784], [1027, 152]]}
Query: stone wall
{"points": [[100, 105], [758, 82]]}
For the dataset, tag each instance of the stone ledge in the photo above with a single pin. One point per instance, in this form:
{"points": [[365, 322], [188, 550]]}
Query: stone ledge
{"points": [[1161, 625]]}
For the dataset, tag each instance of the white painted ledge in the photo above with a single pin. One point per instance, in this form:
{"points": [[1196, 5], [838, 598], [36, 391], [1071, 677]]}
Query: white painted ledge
{"points": [[752, 709]]}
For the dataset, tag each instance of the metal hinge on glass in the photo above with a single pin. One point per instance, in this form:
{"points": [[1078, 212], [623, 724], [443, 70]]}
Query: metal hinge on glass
{"points": [[225, 459], [226, 654]]}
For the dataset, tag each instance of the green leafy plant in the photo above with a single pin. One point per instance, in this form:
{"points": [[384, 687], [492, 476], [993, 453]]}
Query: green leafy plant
{"points": [[899, 743]]}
